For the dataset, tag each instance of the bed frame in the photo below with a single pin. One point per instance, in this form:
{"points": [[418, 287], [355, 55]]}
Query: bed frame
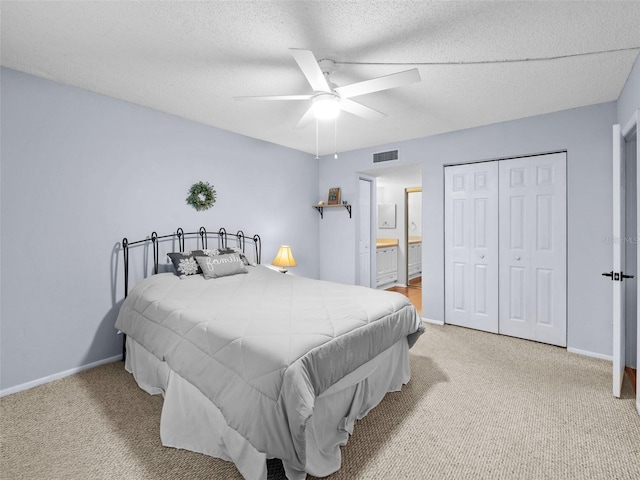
{"points": [[319, 423], [202, 236]]}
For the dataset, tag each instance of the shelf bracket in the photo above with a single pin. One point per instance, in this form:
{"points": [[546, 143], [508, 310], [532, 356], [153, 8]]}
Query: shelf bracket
{"points": [[320, 208]]}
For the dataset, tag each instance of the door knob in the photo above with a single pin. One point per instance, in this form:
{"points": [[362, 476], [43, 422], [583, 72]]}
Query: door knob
{"points": [[616, 276], [481, 256], [517, 258]]}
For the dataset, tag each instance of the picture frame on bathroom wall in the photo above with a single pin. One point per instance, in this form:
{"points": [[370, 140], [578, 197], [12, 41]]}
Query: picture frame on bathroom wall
{"points": [[387, 215]]}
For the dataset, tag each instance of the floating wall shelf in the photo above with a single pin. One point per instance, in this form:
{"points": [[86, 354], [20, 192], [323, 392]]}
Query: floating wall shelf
{"points": [[321, 208]]}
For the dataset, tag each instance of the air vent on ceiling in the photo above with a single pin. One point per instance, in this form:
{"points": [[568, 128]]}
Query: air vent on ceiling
{"points": [[385, 156]]}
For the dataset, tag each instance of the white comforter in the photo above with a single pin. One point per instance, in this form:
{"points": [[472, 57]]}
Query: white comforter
{"points": [[263, 345]]}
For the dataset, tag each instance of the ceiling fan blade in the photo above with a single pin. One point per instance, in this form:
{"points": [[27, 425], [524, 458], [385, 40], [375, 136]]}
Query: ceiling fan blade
{"points": [[381, 83], [277, 97], [360, 110], [306, 118], [309, 65]]}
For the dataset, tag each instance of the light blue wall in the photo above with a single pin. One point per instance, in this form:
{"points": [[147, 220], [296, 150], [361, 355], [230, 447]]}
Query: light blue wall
{"points": [[585, 133], [79, 172]]}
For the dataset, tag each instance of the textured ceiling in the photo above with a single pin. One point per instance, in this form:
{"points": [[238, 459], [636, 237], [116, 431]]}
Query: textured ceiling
{"points": [[191, 58]]}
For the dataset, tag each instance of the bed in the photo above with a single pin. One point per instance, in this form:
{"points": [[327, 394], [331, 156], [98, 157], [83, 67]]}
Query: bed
{"points": [[256, 364]]}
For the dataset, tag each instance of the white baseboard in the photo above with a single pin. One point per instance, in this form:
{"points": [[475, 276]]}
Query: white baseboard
{"points": [[430, 320], [587, 353], [57, 376]]}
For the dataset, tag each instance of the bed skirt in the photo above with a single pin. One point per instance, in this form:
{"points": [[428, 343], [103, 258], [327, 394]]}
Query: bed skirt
{"points": [[191, 421]]}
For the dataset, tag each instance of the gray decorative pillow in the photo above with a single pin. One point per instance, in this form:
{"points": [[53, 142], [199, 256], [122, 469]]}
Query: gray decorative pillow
{"points": [[239, 251], [185, 263], [215, 266], [222, 251], [208, 252]]}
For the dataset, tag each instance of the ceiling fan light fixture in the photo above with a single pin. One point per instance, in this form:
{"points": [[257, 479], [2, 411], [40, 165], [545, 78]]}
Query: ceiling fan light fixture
{"points": [[326, 106]]}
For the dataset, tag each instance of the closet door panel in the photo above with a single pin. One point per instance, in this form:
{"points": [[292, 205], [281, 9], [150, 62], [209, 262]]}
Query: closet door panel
{"points": [[533, 244], [514, 241], [471, 246]]}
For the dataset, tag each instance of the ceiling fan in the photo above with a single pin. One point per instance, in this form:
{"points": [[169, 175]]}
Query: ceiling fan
{"points": [[327, 99]]}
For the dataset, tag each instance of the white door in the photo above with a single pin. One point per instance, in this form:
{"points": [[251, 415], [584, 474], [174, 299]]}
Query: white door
{"points": [[618, 260], [471, 245], [630, 132], [533, 248], [364, 239]]}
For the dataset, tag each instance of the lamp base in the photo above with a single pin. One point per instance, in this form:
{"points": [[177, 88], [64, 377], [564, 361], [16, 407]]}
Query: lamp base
{"points": [[282, 270]]}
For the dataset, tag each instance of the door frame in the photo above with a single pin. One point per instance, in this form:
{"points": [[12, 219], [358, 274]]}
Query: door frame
{"points": [[630, 130], [407, 191]]}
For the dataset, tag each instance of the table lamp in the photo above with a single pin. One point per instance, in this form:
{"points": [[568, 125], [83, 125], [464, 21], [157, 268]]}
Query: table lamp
{"points": [[284, 258]]}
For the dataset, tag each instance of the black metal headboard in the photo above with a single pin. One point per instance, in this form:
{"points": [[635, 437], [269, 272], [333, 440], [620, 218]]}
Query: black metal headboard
{"points": [[202, 235]]}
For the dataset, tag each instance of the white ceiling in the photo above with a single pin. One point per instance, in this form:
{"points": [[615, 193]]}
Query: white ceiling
{"points": [[191, 58]]}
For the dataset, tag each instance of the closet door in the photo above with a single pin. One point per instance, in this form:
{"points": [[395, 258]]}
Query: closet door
{"points": [[533, 248], [471, 245]]}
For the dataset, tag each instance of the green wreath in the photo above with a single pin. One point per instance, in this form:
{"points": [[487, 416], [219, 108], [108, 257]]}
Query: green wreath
{"points": [[202, 196]]}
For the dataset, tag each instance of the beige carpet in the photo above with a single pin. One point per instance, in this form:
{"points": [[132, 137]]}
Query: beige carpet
{"points": [[479, 406]]}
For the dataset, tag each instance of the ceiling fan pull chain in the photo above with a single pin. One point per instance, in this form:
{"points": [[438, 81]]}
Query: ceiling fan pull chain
{"points": [[317, 156], [335, 138]]}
